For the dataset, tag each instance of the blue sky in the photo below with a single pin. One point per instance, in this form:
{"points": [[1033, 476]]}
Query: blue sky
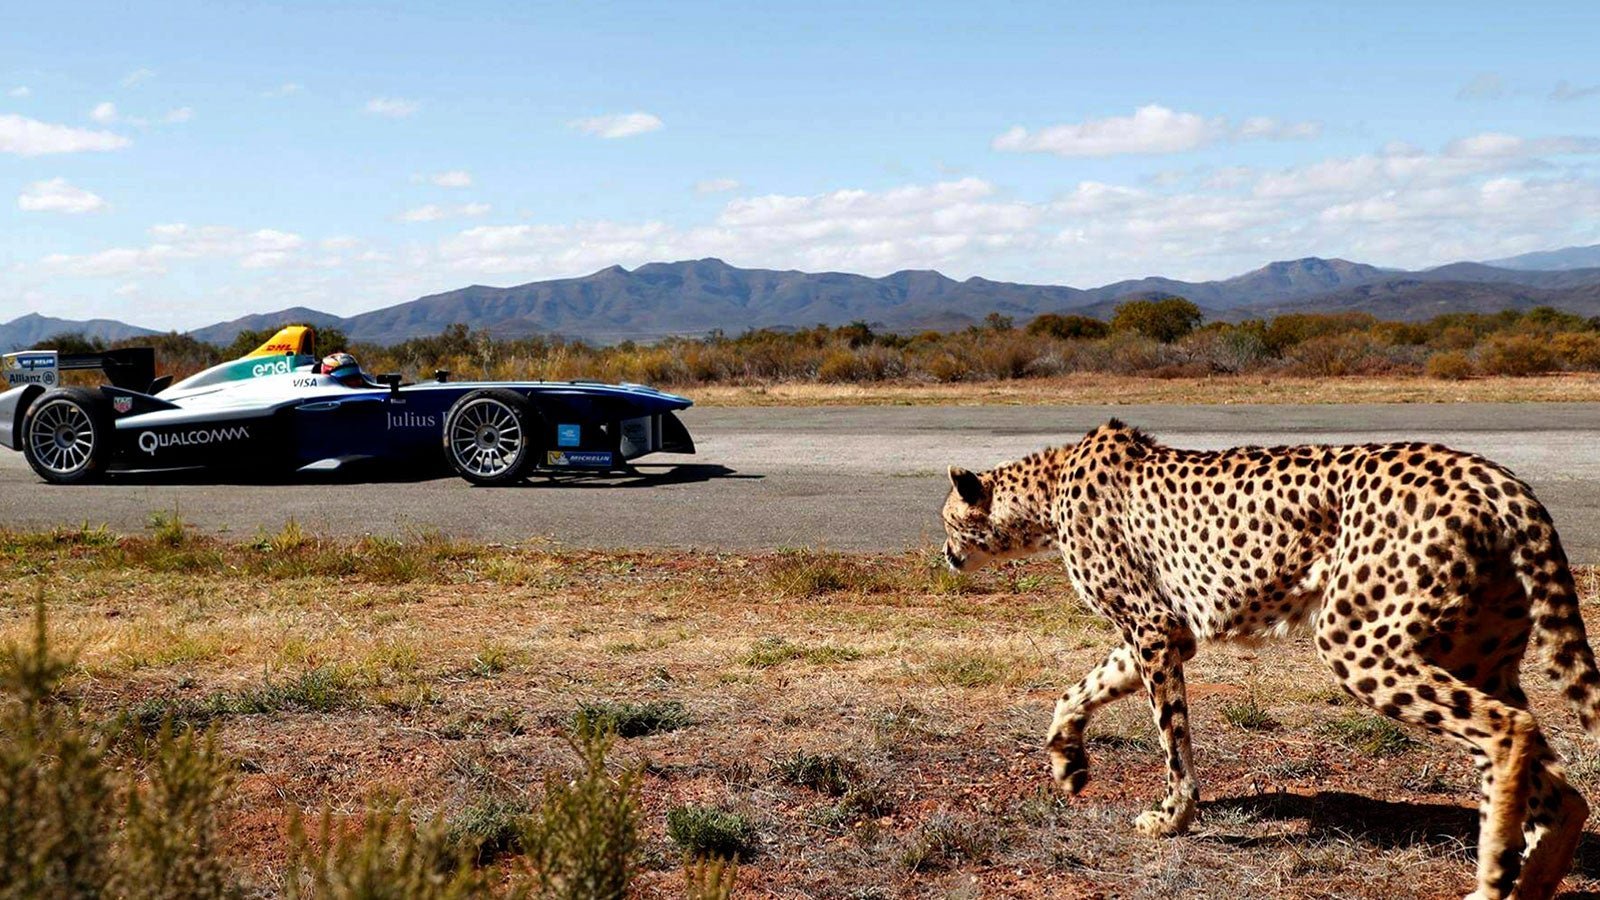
{"points": [[177, 164]]}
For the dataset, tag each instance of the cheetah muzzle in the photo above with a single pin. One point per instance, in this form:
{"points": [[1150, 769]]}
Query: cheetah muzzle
{"points": [[1423, 573]]}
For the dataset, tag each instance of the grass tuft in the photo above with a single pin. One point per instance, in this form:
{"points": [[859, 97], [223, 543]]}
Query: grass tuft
{"points": [[775, 651], [1372, 735], [627, 719], [1249, 715], [822, 772], [707, 831], [804, 574]]}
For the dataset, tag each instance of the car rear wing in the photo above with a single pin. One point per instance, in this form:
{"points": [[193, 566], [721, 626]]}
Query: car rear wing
{"points": [[132, 368]]}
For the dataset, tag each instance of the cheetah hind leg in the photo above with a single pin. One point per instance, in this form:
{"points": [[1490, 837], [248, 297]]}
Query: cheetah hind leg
{"points": [[1556, 813], [1114, 678]]}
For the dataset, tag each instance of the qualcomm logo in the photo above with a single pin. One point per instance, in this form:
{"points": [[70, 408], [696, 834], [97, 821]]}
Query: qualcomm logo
{"points": [[150, 441], [280, 367], [412, 420]]}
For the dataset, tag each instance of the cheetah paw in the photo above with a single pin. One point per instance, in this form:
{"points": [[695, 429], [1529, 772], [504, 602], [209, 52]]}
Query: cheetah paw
{"points": [[1157, 823]]}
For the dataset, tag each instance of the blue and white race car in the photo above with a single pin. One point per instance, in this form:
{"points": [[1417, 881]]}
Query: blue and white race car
{"points": [[282, 408]]}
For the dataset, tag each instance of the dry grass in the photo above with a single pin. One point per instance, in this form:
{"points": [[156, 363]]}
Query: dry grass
{"points": [[1093, 388], [874, 731]]}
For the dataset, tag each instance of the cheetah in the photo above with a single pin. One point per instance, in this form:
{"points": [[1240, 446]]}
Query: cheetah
{"points": [[1423, 572]]}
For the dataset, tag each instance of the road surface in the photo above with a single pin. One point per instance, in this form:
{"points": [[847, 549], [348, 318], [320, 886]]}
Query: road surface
{"points": [[841, 478]]}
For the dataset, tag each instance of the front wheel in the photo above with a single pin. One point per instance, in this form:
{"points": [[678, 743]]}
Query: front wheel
{"points": [[66, 436], [491, 436]]}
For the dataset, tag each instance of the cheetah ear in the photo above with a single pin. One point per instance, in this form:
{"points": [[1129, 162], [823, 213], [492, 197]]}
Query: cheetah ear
{"points": [[968, 487]]}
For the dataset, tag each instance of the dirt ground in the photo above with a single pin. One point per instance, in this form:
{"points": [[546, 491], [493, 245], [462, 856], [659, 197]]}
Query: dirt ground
{"points": [[449, 674], [1223, 389]]}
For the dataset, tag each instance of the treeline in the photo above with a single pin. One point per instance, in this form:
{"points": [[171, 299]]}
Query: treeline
{"points": [[1157, 338]]}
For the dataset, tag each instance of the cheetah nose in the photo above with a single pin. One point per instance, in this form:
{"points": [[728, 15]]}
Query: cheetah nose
{"points": [[953, 559]]}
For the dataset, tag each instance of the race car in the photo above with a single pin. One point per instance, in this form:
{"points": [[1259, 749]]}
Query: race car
{"points": [[282, 408]]}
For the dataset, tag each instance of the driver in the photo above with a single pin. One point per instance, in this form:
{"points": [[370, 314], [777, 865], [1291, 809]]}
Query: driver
{"points": [[343, 368]]}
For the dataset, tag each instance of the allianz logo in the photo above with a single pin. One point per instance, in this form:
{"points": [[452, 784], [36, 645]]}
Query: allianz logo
{"points": [[412, 420], [151, 441]]}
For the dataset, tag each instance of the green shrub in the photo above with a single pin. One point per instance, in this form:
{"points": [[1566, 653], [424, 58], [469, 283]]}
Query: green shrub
{"points": [[1163, 320], [386, 858], [584, 842], [710, 832], [488, 827], [824, 773], [74, 823], [628, 719]]}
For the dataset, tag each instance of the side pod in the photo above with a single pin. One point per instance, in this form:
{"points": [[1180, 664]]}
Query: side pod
{"points": [[13, 406]]}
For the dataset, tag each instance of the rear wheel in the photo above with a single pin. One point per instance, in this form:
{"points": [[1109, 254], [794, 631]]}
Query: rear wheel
{"points": [[492, 436], [66, 436]]}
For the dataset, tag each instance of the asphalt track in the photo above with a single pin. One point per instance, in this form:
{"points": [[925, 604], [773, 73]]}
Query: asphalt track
{"points": [[842, 478]]}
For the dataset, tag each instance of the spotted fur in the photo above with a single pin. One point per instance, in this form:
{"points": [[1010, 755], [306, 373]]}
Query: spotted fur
{"points": [[1423, 573]]}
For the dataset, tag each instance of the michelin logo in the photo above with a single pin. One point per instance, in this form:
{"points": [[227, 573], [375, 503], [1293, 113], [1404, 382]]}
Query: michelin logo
{"points": [[150, 441], [31, 368], [581, 458]]}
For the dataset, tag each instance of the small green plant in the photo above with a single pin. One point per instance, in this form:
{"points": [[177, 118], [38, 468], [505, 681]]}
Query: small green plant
{"points": [[628, 720], [1249, 715], [802, 574], [707, 831], [944, 840], [825, 773], [386, 857], [316, 690], [775, 651], [1371, 735], [584, 842], [489, 827], [169, 529]]}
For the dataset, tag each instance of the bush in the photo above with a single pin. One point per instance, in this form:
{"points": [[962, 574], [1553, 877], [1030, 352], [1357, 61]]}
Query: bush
{"points": [[1163, 320], [585, 841], [1067, 327], [706, 831], [1516, 354], [628, 720], [387, 857], [1577, 350], [1450, 365], [75, 823]]}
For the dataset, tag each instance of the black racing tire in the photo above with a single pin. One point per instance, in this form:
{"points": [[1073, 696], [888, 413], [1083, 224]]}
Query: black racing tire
{"points": [[67, 435], [493, 436]]}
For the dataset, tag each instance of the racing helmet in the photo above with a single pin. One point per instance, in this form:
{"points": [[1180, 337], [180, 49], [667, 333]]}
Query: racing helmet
{"points": [[342, 367]]}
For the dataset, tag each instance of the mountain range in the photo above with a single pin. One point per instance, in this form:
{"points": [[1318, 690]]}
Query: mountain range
{"points": [[695, 297]]}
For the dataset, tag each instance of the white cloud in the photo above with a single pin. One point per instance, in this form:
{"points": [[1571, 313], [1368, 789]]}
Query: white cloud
{"points": [[22, 91], [137, 77], [1483, 86], [287, 89], [1566, 91], [340, 242], [621, 125], [179, 115], [716, 186], [433, 212], [392, 107], [22, 136], [56, 195], [105, 113], [455, 178], [170, 244], [1152, 129]]}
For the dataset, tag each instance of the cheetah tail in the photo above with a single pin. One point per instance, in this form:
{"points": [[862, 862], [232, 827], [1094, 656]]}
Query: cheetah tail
{"points": [[1558, 631]]}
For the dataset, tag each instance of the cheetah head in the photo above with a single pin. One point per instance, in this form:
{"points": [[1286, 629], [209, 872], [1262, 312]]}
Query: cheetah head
{"points": [[985, 519]]}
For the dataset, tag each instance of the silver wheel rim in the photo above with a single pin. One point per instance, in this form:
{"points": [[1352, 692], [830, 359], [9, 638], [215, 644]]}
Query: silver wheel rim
{"points": [[62, 437], [486, 438]]}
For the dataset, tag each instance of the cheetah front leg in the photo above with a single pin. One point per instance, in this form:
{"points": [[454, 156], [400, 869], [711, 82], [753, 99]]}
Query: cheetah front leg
{"points": [[1115, 677], [1162, 651]]}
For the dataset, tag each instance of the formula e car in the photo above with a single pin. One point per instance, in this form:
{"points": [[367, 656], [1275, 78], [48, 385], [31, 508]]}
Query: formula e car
{"points": [[282, 408]]}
